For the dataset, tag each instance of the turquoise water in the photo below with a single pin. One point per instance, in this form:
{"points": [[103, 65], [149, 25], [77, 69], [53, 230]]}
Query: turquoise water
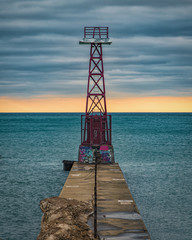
{"points": [[154, 151]]}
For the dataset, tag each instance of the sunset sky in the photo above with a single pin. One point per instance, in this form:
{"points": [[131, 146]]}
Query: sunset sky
{"points": [[148, 67]]}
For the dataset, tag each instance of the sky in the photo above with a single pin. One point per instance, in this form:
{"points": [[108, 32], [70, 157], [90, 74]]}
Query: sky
{"points": [[148, 67]]}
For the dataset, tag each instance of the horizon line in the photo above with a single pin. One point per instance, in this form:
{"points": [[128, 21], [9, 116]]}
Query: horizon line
{"points": [[84, 112]]}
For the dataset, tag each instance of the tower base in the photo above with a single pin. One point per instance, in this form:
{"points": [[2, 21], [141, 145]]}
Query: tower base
{"points": [[86, 154]]}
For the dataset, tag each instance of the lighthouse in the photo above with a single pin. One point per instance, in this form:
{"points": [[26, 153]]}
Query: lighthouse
{"points": [[96, 123]]}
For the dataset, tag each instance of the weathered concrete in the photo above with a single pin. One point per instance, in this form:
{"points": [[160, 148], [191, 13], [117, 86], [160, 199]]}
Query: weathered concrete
{"points": [[118, 215], [80, 183], [65, 219]]}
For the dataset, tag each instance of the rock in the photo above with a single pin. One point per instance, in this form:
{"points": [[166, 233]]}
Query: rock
{"points": [[65, 219]]}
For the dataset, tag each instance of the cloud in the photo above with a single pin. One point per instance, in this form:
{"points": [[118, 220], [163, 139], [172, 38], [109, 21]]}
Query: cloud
{"points": [[151, 53]]}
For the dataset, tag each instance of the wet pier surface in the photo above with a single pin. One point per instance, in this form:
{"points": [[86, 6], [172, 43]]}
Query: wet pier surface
{"points": [[118, 215]]}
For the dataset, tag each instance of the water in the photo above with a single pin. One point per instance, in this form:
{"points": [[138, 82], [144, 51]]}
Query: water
{"points": [[154, 151]]}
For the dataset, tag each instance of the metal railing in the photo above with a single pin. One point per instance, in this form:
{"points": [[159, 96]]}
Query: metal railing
{"points": [[96, 32], [104, 130]]}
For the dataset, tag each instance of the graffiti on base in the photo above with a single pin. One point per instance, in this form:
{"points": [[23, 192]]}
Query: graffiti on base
{"points": [[105, 154], [85, 154]]}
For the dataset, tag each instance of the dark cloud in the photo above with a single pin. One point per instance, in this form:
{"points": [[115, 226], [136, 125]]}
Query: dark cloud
{"points": [[151, 52]]}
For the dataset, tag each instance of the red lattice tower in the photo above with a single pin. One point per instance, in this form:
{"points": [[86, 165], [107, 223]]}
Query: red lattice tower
{"points": [[96, 124]]}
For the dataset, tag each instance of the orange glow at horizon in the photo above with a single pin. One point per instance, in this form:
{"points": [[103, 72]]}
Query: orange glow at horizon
{"points": [[131, 104]]}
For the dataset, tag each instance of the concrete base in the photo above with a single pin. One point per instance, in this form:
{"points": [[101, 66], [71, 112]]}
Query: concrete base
{"points": [[86, 154]]}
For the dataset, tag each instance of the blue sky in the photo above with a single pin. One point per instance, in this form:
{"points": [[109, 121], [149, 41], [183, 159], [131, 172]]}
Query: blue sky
{"points": [[151, 53]]}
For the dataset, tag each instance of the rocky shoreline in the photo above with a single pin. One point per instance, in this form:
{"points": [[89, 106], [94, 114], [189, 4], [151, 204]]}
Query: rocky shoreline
{"points": [[65, 219]]}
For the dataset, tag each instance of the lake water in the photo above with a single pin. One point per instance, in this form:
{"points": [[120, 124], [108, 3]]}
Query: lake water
{"points": [[154, 151]]}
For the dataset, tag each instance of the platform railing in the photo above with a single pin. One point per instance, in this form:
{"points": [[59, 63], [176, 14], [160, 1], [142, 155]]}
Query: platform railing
{"points": [[96, 32]]}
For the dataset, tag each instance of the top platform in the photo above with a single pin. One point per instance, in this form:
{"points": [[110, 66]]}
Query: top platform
{"points": [[96, 35]]}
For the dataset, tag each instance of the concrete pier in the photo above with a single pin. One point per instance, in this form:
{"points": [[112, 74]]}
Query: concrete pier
{"points": [[118, 215]]}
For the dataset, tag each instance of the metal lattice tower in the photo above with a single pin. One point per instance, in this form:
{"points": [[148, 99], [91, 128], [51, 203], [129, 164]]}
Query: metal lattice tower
{"points": [[96, 124]]}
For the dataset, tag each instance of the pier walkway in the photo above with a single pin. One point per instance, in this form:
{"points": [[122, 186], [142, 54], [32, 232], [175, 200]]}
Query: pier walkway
{"points": [[118, 215]]}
